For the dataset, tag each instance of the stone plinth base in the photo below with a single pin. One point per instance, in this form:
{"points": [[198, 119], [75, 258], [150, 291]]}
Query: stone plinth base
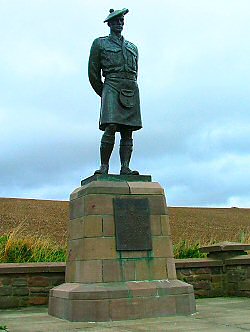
{"points": [[121, 262], [120, 301]]}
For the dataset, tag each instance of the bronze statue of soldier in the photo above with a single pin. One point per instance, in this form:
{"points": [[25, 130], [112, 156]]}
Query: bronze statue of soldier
{"points": [[116, 59]]}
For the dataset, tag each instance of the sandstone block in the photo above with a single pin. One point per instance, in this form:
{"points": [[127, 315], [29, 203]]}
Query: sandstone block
{"points": [[112, 270], [19, 282], [101, 187], [157, 269], [5, 290], [98, 204], [157, 204], [38, 300], [92, 226], [108, 225], [38, 281], [20, 291], [142, 269], [99, 248], [75, 249], [171, 270], [88, 271], [162, 246], [134, 253], [76, 228], [142, 289], [89, 310], [145, 188], [165, 225], [76, 208], [128, 270], [155, 223], [9, 302]]}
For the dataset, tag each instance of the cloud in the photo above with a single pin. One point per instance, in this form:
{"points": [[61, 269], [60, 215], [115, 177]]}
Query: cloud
{"points": [[194, 88]]}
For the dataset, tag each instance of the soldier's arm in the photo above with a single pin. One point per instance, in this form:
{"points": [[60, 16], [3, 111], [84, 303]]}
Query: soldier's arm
{"points": [[94, 68], [137, 62]]}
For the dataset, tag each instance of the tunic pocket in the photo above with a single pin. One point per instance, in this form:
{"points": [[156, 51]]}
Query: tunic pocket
{"points": [[127, 98], [111, 56]]}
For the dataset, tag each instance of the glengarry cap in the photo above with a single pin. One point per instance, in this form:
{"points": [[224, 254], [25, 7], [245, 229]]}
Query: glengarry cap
{"points": [[114, 13]]}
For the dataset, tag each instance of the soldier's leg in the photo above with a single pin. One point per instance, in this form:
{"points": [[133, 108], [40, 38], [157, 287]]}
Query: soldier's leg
{"points": [[126, 148], [106, 148]]}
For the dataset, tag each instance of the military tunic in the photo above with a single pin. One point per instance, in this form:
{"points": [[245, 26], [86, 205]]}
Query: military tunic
{"points": [[117, 61]]}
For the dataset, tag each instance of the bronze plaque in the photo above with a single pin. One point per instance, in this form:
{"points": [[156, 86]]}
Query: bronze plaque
{"points": [[132, 224]]}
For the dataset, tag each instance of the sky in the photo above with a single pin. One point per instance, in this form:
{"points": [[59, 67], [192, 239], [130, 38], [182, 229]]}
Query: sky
{"points": [[194, 80]]}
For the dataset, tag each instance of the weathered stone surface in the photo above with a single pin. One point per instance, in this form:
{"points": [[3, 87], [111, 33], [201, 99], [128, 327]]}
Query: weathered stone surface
{"points": [[104, 283], [119, 301], [128, 270], [40, 290], [171, 269], [162, 246], [157, 269], [134, 254], [225, 246], [101, 187], [93, 226], [19, 282], [150, 188], [9, 302], [165, 225], [112, 270], [38, 300], [5, 290], [4, 281], [20, 291], [76, 228], [244, 285], [88, 271], [155, 222], [38, 281], [108, 225]]}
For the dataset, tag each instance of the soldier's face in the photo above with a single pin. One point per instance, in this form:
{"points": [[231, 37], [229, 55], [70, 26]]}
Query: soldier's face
{"points": [[116, 25]]}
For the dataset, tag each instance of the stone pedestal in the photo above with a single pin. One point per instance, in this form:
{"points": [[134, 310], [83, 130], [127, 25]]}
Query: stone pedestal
{"points": [[107, 277]]}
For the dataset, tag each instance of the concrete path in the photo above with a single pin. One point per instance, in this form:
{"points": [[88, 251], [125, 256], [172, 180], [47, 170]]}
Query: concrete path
{"points": [[215, 315]]}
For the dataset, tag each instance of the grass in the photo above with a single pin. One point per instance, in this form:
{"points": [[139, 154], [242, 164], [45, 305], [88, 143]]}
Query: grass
{"points": [[18, 248], [184, 249], [3, 328], [190, 249]]}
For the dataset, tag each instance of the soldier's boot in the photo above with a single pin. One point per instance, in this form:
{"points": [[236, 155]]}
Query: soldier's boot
{"points": [[126, 148], [106, 148]]}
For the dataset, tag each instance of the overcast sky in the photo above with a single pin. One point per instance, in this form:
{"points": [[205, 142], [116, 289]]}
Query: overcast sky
{"points": [[194, 79]]}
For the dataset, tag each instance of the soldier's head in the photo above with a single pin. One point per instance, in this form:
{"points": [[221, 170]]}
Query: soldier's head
{"points": [[115, 20]]}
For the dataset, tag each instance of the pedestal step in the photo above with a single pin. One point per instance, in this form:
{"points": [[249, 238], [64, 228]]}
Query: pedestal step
{"points": [[121, 301]]}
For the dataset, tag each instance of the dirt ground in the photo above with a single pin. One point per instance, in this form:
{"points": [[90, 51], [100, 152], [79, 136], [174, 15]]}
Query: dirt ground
{"points": [[49, 219]]}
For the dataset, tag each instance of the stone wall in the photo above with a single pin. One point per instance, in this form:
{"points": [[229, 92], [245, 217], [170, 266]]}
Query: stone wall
{"points": [[29, 284], [206, 276], [237, 281]]}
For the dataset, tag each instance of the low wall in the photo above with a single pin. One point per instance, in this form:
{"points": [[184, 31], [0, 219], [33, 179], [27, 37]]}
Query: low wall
{"points": [[29, 284]]}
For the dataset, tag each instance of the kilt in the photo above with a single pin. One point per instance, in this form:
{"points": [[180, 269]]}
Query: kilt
{"points": [[119, 109]]}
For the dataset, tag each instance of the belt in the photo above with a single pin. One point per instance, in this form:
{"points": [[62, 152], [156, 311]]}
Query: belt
{"points": [[129, 76]]}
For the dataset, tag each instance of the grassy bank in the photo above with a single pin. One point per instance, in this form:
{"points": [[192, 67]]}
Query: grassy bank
{"points": [[18, 247]]}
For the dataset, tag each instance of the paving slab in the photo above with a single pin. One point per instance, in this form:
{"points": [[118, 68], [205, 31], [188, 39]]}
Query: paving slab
{"points": [[214, 314]]}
